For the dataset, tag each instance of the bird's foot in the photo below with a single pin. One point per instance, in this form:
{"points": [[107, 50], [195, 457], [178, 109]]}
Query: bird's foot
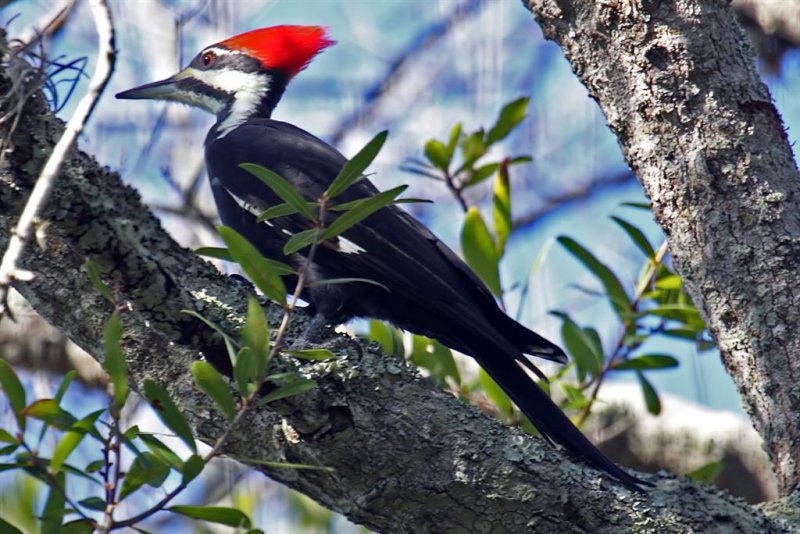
{"points": [[318, 335]]}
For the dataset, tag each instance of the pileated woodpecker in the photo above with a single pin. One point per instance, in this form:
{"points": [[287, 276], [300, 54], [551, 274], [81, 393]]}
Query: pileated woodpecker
{"points": [[430, 290]]}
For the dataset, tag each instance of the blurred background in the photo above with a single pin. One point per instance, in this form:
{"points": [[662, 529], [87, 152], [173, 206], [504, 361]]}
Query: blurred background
{"points": [[415, 68]]}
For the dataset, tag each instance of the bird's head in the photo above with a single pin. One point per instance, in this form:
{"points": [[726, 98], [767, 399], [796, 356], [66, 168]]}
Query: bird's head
{"points": [[242, 76]]}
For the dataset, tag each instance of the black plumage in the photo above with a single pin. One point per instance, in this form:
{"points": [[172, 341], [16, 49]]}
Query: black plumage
{"points": [[431, 291]]}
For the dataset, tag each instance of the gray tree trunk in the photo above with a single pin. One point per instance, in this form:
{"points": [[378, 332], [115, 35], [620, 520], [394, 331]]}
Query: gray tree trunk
{"points": [[678, 85], [407, 457]]}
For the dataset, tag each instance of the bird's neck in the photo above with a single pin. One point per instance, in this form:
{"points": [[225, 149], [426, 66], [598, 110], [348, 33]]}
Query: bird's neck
{"points": [[256, 99]]}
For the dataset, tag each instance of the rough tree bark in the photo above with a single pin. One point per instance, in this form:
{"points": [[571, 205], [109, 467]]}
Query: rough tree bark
{"points": [[407, 457], [678, 85]]}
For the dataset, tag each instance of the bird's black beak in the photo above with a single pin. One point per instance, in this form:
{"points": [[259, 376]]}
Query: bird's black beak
{"points": [[162, 90]]}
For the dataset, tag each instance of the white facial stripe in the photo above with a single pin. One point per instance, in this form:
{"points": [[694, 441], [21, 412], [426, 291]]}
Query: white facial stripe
{"points": [[247, 88], [219, 52], [348, 247]]}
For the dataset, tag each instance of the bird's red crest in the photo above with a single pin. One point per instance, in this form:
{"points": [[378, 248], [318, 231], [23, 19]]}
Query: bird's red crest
{"points": [[287, 48]]}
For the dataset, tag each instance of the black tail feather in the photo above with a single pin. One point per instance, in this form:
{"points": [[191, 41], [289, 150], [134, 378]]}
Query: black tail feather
{"points": [[527, 341], [546, 416]]}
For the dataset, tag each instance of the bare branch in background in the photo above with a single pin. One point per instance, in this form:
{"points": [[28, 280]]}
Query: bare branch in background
{"points": [[422, 42], [47, 25], [579, 191], [9, 271]]}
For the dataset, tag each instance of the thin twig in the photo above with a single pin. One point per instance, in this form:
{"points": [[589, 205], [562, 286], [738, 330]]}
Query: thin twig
{"points": [[646, 280], [44, 184], [115, 442]]}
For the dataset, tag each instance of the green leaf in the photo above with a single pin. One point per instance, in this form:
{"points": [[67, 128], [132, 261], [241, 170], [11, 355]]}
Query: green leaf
{"points": [[495, 393], [582, 345], [679, 312], [214, 514], [434, 357], [706, 473], [193, 466], [455, 135], [436, 153], [93, 270], [255, 336], [244, 371], [53, 511], [510, 116], [636, 236], [360, 211], [651, 399], [69, 377], [289, 390], [638, 205], [283, 188], [166, 454], [575, 396], [114, 361], [389, 337], [669, 281], [78, 526], [300, 240], [612, 285], [220, 253], [6, 437], [473, 148], [519, 160], [480, 251], [482, 173], [283, 465], [147, 468], [14, 391], [501, 208], [168, 412], [255, 266], [50, 412], [311, 354], [212, 384], [8, 528], [355, 167], [94, 466], [649, 361], [71, 439], [280, 210], [93, 503]]}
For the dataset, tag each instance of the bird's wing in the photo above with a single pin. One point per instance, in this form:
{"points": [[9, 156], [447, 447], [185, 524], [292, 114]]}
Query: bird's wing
{"points": [[390, 247]]}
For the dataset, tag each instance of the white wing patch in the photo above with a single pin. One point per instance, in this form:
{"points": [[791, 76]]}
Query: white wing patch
{"points": [[345, 246], [348, 247], [250, 208]]}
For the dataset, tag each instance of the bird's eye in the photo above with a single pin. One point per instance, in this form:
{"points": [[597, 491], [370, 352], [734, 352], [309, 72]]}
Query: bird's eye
{"points": [[208, 57]]}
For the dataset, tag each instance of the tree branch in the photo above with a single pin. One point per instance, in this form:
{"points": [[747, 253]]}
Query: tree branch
{"points": [[407, 456], [698, 126]]}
